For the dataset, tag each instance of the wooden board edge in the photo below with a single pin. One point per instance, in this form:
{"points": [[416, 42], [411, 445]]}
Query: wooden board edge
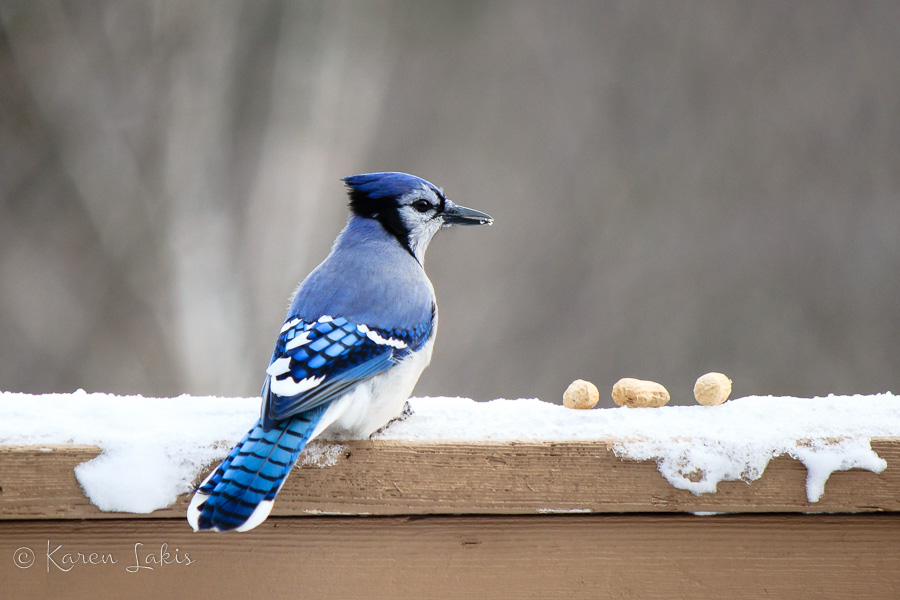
{"points": [[383, 477]]}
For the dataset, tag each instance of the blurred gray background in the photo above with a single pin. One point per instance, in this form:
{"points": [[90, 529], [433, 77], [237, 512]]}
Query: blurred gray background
{"points": [[677, 187]]}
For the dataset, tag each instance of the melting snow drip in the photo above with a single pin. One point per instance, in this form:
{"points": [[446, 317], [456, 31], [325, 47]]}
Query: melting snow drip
{"points": [[699, 465], [822, 458]]}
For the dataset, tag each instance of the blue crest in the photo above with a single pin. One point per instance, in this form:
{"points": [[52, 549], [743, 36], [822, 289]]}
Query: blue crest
{"points": [[368, 192]]}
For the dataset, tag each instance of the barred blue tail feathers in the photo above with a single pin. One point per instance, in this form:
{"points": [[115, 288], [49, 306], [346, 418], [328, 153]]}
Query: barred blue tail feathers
{"points": [[239, 495]]}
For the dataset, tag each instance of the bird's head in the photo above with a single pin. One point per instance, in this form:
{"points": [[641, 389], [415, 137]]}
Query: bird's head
{"points": [[408, 207]]}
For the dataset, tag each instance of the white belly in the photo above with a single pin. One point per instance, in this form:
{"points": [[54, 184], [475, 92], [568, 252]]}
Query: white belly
{"points": [[372, 404]]}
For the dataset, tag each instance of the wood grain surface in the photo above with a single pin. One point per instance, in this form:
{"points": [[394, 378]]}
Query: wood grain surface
{"points": [[660, 556], [393, 478]]}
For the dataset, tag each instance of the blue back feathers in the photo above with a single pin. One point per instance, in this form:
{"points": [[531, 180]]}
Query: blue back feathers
{"points": [[369, 278]]}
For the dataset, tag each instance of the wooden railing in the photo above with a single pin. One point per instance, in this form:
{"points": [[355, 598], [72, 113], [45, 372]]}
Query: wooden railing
{"points": [[476, 520]]}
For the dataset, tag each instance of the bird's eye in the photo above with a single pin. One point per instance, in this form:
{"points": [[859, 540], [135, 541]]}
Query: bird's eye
{"points": [[422, 205]]}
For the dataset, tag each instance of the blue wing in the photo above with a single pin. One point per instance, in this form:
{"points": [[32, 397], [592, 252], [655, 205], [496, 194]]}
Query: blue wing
{"points": [[315, 362]]}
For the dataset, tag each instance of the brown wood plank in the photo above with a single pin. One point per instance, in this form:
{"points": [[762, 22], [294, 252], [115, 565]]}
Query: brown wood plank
{"points": [[39, 482], [391, 478], [567, 556]]}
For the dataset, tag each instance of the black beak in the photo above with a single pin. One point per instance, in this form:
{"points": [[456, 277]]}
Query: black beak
{"points": [[454, 214]]}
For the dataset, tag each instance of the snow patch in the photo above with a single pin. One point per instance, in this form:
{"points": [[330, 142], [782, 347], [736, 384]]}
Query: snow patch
{"points": [[322, 454], [153, 449]]}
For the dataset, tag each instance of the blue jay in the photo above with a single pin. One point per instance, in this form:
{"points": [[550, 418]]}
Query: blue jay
{"points": [[358, 334]]}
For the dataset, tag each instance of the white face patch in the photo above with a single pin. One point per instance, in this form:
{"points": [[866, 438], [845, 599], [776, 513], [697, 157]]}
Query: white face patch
{"points": [[420, 226], [421, 237]]}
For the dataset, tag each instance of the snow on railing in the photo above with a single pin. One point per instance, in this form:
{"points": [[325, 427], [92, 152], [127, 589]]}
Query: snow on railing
{"points": [[154, 449]]}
